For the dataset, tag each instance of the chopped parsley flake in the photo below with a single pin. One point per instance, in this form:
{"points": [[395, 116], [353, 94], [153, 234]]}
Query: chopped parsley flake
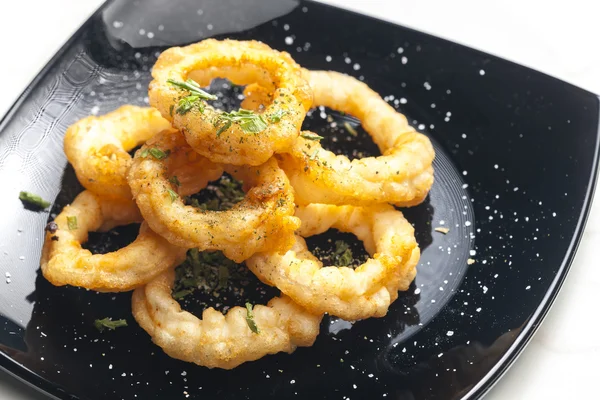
{"points": [[350, 129], [207, 270], [175, 181], [311, 136], [195, 97], [338, 249], [72, 222], [276, 116], [342, 254], [227, 192], [174, 196], [250, 319], [249, 121], [33, 200], [158, 153], [108, 323], [154, 152]]}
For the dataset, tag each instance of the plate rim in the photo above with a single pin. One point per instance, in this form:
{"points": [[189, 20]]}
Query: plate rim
{"points": [[487, 382]]}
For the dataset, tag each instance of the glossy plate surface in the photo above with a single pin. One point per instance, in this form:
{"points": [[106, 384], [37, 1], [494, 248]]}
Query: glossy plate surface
{"points": [[515, 169]]}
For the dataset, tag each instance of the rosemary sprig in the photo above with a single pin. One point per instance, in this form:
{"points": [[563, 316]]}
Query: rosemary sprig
{"points": [[194, 99], [249, 121]]}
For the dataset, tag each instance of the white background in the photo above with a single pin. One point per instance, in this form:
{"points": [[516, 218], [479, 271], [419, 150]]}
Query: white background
{"points": [[559, 38]]}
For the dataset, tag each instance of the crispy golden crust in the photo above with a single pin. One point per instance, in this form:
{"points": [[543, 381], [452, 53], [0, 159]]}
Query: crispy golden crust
{"points": [[97, 147], [262, 221], [351, 294], [256, 97], [402, 175], [65, 262], [217, 340], [243, 63]]}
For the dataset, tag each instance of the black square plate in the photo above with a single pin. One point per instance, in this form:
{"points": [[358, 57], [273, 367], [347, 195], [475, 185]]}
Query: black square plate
{"points": [[515, 170]]}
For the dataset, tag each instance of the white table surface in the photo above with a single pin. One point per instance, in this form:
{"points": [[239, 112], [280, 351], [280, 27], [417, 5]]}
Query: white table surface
{"points": [[561, 361]]}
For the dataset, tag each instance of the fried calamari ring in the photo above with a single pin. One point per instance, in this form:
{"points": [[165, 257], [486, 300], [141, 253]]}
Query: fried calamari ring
{"points": [[402, 175], [242, 62], [97, 147], [217, 340], [351, 294], [65, 262], [262, 221]]}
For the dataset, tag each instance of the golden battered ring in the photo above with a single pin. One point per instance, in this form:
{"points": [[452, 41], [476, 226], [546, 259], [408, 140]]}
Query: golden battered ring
{"points": [[262, 221], [402, 175], [65, 262], [242, 62], [217, 340], [351, 294], [97, 147]]}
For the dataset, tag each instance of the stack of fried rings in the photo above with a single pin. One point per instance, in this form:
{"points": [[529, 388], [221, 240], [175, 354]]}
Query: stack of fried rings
{"points": [[290, 194]]}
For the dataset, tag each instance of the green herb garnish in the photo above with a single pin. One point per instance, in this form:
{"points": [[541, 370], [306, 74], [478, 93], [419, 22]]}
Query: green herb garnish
{"points": [[350, 129], [191, 201], [227, 192], [193, 88], [72, 222], [33, 199], [187, 103], [175, 181], [250, 319], [276, 116], [108, 323], [181, 294], [158, 153], [224, 127], [207, 270], [342, 254], [311, 136], [174, 196], [223, 276], [194, 99], [249, 121]]}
